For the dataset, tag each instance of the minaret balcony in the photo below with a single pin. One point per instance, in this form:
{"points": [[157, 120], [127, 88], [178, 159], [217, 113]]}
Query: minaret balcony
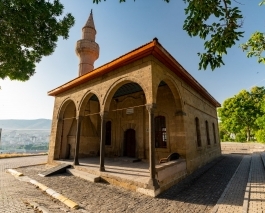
{"points": [[87, 46]]}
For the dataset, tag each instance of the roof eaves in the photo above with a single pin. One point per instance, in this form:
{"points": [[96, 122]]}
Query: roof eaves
{"points": [[118, 62]]}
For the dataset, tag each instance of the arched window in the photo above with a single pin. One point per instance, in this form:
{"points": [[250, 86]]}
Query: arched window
{"points": [[207, 133], [214, 135], [108, 133], [198, 132], [160, 132]]}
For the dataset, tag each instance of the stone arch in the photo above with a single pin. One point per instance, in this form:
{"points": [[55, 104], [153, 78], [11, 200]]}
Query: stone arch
{"points": [[117, 84], [174, 89], [165, 91], [129, 126], [66, 120], [89, 109], [63, 107], [87, 96]]}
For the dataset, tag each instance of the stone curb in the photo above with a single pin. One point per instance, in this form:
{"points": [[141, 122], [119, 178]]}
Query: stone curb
{"points": [[14, 172], [55, 194], [48, 190]]}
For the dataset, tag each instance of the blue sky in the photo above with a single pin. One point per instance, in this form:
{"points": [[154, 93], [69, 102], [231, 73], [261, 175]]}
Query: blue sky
{"points": [[122, 27]]}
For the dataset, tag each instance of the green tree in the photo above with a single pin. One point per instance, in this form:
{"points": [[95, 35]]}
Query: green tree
{"points": [[29, 30], [255, 46], [240, 113], [224, 134], [260, 134]]}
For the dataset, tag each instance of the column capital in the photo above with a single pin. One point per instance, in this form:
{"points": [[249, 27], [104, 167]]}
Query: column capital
{"points": [[151, 107], [104, 114]]}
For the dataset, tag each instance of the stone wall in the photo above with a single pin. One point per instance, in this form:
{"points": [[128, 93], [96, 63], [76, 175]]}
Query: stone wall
{"points": [[189, 105]]}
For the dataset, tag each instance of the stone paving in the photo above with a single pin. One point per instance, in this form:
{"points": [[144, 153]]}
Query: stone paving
{"points": [[202, 194], [198, 193], [15, 195], [217, 187], [233, 197], [257, 186]]}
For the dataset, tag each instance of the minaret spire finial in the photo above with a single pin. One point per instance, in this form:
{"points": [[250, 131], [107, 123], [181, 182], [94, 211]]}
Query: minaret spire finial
{"points": [[86, 48], [90, 21]]}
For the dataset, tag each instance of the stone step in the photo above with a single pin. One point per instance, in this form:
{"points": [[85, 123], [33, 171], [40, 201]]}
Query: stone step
{"points": [[55, 170], [84, 175]]}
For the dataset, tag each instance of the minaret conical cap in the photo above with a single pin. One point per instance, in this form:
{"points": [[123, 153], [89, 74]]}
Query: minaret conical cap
{"points": [[90, 21], [86, 48]]}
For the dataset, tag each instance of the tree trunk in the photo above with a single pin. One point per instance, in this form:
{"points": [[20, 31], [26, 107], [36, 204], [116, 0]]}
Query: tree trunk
{"points": [[248, 134]]}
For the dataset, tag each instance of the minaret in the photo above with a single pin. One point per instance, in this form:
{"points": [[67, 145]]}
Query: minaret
{"points": [[86, 48]]}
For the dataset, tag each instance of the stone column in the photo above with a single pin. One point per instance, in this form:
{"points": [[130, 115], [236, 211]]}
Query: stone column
{"points": [[77, 138], [61, 125], [102, 140], [152, 182]]}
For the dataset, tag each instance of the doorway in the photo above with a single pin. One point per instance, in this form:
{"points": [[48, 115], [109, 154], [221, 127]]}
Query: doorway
{"points": [[129, 148]]}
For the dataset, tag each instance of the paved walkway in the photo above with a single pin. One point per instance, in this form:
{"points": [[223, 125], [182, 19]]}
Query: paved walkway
{"points": [[232, 199], [15, 196], [257, 186], [217, 187], [198, 193]]}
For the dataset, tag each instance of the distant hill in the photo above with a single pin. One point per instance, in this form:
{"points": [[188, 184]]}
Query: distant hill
{"points": [[25, 124]]}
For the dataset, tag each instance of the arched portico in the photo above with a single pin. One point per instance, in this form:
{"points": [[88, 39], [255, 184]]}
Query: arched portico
{"points": [[169, 120], [87, 140], [130, 102], [66, 122], [123, 106], [167, 81]]}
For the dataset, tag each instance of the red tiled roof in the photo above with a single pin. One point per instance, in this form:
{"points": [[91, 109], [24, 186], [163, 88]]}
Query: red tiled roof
{"points": [[152, 48]]}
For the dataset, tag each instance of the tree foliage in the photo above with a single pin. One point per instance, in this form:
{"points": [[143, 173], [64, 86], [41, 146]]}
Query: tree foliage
{"points": [[29, 30], [241, 115], [217, 22], [255, 46]]}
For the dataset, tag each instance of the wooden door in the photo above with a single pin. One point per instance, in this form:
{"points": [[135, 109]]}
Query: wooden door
{"points": [[129, 143]]}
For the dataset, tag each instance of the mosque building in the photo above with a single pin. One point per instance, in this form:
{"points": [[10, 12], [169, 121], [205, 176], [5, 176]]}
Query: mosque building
{"points": [[142, 105]]}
